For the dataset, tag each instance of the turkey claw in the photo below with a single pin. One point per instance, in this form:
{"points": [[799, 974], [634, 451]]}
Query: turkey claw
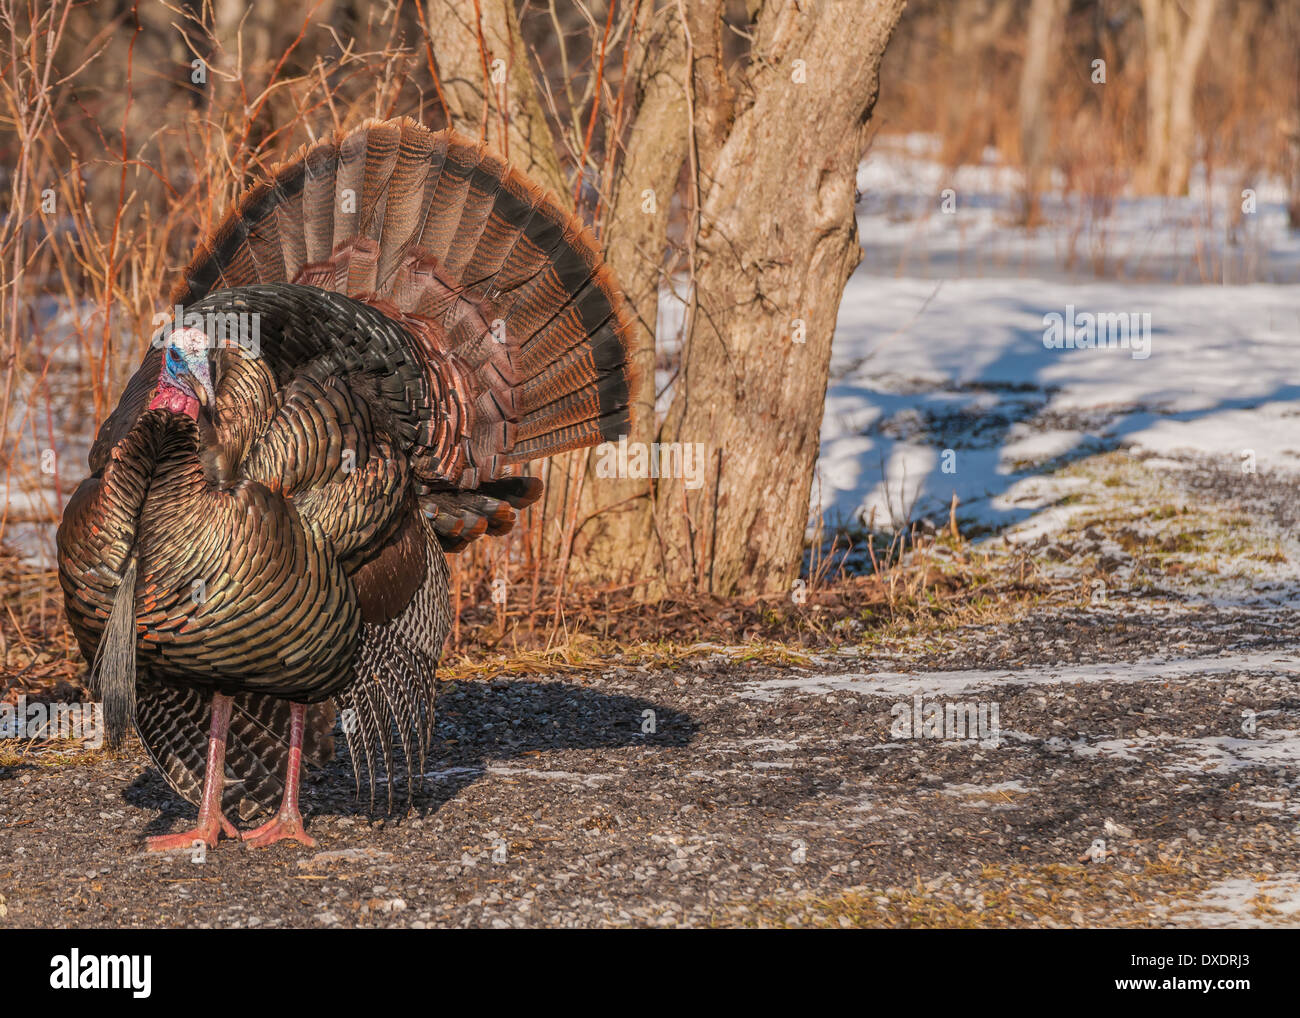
{"points": [[207, 832], [278, 828]]}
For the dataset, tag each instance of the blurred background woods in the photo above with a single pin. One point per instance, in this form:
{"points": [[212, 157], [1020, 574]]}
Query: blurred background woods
{"points": [[711, 144], [1114, 95]]}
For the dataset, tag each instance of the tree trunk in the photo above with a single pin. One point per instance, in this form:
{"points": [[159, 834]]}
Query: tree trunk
{"points": [[613, 514], [774, 243], [771, 241], [975, 28], [1044, 18], [469, 37], [1175, 46], [1289, 123]]}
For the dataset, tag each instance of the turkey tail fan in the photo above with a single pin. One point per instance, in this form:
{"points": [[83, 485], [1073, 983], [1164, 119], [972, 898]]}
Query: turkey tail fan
{"points": [[395, 685], [525, 332]]}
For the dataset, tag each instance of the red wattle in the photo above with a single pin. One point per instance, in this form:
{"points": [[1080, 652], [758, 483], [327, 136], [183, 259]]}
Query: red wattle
{"points": [[168, 397]]}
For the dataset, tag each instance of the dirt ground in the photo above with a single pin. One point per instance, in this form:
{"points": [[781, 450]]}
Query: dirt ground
{"points": [[1138, 767]]}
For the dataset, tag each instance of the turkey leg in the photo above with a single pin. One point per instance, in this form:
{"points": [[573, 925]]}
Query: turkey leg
{"points": [[287, 823], [212, 822]]}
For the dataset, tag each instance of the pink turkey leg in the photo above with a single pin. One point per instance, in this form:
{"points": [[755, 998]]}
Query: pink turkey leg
{"points": [[212, 822], [288, 822]]}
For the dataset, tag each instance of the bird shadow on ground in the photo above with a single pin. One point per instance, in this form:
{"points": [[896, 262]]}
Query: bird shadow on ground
{"points": [[478, 725]]}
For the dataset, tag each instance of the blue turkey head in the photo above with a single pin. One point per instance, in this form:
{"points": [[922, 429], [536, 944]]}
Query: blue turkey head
{"points": [[187, 371]]}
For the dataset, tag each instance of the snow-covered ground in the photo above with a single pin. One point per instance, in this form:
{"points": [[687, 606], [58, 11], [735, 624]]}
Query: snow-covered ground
{"points": [[950, 371], [973, 680]]}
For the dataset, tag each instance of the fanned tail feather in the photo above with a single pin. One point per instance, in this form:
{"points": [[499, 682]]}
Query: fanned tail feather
{"points": [[522, 323]]}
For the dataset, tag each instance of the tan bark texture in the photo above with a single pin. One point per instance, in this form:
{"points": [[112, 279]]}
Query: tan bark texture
{"points": [[776, 241], [469, 39], [613, 514], [1035, 77]]}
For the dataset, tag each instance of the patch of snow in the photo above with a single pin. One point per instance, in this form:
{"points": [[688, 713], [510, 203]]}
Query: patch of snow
{"points": [[941, 384], [948, 389], [1220, 754], [994, 792], [1244, 903], [947, 683], [528, 772]]}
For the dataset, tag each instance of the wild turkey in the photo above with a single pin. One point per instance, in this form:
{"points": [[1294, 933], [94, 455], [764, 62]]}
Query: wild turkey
{"points": [[370, 342]]}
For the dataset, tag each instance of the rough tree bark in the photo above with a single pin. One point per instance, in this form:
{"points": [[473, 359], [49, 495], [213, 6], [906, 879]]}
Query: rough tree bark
{"points": [[1176, 41], [776, 240], [469, 37]]}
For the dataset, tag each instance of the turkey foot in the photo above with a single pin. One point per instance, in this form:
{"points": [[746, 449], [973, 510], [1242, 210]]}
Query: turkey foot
{"points": [[279, 828], [287, 823], [212, 822], [207, 832]]}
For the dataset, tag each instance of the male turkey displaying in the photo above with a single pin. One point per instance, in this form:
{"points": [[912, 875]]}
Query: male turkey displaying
{"points": [[261, 538]]}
